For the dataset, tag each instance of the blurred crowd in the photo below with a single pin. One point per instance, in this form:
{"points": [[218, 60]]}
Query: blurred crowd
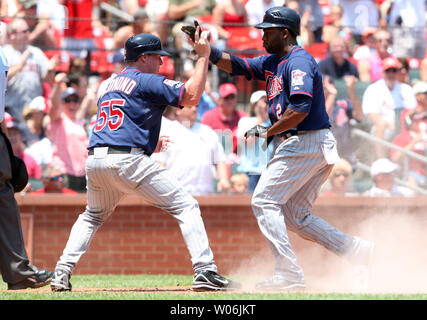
{"points": [[372, 54]]}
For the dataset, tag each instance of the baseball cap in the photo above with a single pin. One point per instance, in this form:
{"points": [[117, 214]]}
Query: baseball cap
{"points": [[226, 89], [383, 165], [257, 95], [420, 87], [37, 104], [391, 63], [68, 92]]}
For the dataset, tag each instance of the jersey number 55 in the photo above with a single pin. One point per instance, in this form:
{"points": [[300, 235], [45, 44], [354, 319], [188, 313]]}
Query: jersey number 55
{"points": [[109, 114]]}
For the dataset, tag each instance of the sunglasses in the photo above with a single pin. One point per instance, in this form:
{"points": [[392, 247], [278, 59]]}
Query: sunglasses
{"points": [[56, 178], [71, 99], [392, 70], [231, 96]]}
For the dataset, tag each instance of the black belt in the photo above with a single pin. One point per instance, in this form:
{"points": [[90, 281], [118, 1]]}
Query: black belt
{"points": [[114, 150], [289, 133]]}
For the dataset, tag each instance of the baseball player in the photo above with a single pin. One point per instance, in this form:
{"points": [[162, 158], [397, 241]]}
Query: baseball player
{"points": [[126, 133], [305, 156]]}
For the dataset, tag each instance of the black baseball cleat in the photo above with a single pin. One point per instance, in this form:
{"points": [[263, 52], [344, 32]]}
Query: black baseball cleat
{"points": [[208, 280], [61, 281], [39, 279]]}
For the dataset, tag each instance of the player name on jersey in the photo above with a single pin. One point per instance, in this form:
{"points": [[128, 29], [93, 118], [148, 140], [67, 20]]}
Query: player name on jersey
{"points": [[120, 83]]}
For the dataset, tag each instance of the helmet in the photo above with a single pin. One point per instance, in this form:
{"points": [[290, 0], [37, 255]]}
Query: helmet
{"points": [[143, 43], [281, 17]]}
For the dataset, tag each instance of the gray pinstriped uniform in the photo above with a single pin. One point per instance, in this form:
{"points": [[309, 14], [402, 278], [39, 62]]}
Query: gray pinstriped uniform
{"points": [[285, 195], [129, 116], [110, 177]]}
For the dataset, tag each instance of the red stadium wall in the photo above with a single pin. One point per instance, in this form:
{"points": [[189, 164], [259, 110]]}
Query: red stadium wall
{"points": [[139, 238]]}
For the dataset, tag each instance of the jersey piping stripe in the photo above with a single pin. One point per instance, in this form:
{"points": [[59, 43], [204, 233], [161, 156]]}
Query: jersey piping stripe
{"points": [[247, 64], [303, 92], [181, 96]]}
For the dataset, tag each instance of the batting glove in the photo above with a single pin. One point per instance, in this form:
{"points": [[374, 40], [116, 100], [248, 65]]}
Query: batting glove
{"points": [[260, 132], [257, 131]]}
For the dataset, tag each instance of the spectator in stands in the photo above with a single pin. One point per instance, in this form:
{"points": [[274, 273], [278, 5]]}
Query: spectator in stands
{"points": [[307, 36], [363, 53], [79, 82], [358, 15], [316, 16], [29, 68], [420, 91], [194, 153], [18, 147], [257, 8], [42, 30], [383, 173], [370, 68], [158, 13], [53, 181], [340, 113], [228, 14], [239, 183], [68, 136], [77, 65], [140, 24], [34, 116], [337, 65], [407, 22], [335, 26], [79, 36], [252, 158], [339, 180], [224, 118], [383, 102], [414, 139], [403, 73], [183, 12]]}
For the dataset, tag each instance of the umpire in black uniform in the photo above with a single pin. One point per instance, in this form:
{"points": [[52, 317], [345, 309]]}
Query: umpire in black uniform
{"points": [[14, 264]]}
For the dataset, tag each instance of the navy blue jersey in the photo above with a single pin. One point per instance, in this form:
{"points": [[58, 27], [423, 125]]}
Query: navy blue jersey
{"points": [[296, 73], [130, 109]]}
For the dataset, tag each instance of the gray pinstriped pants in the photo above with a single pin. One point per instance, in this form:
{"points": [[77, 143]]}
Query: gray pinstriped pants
{"points": [[285, 195], [112, 176]]}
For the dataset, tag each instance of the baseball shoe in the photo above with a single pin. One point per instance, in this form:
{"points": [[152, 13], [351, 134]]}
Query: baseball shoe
{"points": [[207, 280], [39, 279], [362, 252], [279, 283], [61, 281]]}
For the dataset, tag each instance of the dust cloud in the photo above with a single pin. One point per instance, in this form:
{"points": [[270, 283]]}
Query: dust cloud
{"points": [[399, 264]]}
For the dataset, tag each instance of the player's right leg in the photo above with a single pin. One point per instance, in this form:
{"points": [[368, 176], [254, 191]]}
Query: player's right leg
{"points": [[102, 198]]}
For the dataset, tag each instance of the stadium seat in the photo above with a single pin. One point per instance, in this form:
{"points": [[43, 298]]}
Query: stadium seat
{"points": [[319, 50], [245, 39]]}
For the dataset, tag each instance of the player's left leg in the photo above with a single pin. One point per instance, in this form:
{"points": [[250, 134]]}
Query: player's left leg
{"points": [[293, 164], [298, 217]]}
